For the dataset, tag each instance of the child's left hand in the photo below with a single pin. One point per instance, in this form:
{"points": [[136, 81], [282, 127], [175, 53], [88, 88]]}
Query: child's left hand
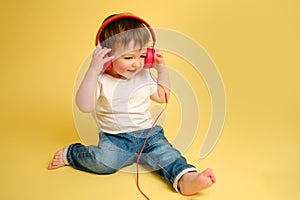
{"points": [[159, 60]]}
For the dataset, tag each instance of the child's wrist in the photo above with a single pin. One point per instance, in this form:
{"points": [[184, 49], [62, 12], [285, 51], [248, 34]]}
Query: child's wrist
{"points": [[93, 72], [161, 68]]}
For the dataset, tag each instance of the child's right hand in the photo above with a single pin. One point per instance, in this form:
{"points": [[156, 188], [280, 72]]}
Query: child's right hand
{"points": [[99, 59]]}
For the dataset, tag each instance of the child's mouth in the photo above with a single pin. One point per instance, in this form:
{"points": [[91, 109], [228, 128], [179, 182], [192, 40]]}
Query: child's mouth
{"points": [[133, 70]]}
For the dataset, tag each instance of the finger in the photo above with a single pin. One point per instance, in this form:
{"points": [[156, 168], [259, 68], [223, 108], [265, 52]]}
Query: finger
{"points": [[101, 52], [104, 51], [159, 54], [97, 51], [158, 57], [108, 58]]}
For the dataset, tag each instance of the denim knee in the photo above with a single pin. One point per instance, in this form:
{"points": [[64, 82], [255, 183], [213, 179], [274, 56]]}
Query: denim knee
{"points": [[94, 159], [100, 168], [85, 158]]}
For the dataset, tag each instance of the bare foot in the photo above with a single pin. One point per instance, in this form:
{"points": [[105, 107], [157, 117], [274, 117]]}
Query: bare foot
{"points": [[194, 182], [57, 160]]}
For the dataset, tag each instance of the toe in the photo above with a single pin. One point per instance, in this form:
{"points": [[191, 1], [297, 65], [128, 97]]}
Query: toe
{"points": [[51, 166]]}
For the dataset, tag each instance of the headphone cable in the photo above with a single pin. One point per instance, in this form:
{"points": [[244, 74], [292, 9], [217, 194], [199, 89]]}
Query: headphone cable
{"points": [[147, 136]]}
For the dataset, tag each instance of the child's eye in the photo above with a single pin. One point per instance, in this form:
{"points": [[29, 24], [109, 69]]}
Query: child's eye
{"points": [[128, 57], [143, 56]]}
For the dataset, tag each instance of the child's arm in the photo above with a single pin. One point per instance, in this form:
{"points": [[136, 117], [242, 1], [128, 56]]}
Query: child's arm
{"points": [[86, 97], [163, 86]]}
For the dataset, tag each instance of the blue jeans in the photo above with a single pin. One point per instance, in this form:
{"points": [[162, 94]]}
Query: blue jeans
{"points": [[115, 151]]}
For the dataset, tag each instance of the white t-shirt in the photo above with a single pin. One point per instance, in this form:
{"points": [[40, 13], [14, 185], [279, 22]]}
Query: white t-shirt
{"points": [[123, 103]]}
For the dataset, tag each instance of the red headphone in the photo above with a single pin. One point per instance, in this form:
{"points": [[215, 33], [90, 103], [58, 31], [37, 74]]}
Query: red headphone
{"points": [[150, 55]]}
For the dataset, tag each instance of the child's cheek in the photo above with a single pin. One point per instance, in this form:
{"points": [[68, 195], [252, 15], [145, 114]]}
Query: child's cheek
{"points": [[120, 67], [123, 69]]}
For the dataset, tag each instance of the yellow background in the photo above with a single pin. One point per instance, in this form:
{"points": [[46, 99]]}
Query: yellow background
{"points": [[255, 45]]}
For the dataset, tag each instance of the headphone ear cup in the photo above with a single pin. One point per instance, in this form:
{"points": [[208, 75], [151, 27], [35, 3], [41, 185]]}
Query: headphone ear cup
{"points": [[108, 65], [150, 57]]}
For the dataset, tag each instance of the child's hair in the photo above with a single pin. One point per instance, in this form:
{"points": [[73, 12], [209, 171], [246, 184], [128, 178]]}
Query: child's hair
{"points": [[122, 32]]}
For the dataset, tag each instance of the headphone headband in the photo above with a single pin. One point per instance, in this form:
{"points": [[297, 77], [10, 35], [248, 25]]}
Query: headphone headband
{"points": [[124, 16]]}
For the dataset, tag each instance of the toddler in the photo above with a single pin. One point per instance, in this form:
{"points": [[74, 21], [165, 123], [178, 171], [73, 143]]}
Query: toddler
{"points": [[118, 88]]}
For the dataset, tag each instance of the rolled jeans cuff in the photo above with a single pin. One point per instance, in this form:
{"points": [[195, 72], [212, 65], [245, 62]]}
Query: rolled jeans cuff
{"points": [[64, 155], [177, 178]]}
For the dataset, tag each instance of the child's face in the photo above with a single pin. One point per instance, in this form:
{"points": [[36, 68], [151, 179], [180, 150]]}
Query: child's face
{"points": [[128, 61]]}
